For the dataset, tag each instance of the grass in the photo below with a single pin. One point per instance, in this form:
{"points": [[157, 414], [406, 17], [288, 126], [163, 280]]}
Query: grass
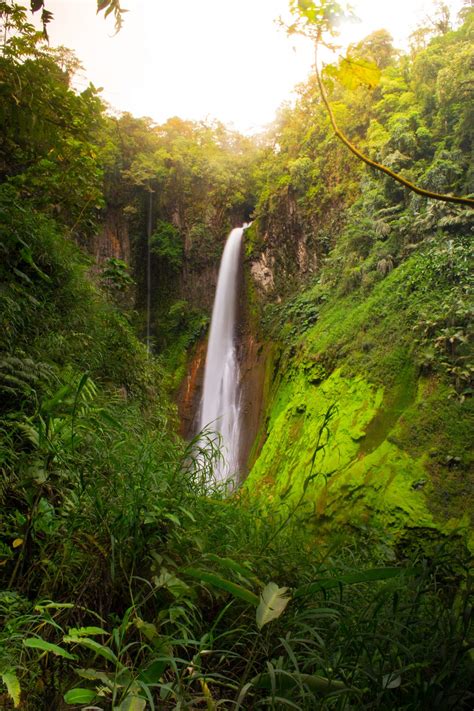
{"points": [[362, 639]]}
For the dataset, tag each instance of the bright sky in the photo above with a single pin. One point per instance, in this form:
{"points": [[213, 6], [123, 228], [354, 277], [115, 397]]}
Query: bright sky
{"points": [[201, 59]]}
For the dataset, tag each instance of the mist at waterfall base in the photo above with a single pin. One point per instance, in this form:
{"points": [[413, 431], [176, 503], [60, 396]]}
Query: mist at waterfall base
{"points": [[220, 407]]}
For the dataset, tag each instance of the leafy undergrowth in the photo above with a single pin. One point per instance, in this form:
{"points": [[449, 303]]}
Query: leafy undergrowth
{"points": [[148, 588]]}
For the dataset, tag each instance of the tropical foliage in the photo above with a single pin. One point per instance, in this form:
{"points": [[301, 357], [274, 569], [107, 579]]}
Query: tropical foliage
{"points": [[130, 580]]}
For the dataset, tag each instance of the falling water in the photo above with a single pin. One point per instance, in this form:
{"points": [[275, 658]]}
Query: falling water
{"points": [[148, 272], [220, 401]]}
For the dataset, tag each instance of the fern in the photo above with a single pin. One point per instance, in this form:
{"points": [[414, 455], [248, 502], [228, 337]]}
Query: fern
{"points": [[22, 380]]}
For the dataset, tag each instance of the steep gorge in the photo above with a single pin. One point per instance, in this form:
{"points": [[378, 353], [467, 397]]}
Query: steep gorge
{"points": [[394, 439], [359, 293], [349, 287]]}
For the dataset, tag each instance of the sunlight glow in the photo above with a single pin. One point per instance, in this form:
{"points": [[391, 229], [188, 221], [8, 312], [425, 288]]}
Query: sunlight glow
{"points": [[207, 59]]}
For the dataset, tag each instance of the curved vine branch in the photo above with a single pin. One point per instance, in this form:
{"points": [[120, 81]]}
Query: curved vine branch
{"points": [[378, 166]]}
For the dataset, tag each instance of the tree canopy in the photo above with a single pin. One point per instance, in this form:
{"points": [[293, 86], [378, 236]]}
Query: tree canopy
{"points": [[318, 21]]}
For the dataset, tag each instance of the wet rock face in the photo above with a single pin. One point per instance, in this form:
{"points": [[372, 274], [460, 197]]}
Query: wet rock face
{"points": [[283, 257], [261, 270], [288, 242], [282, 265], [190, 392], [113, 239], [203, 248], [253, 361], [198, 286]]}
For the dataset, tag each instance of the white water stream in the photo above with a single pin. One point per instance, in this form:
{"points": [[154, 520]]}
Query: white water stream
{"points": [[220, 409]]}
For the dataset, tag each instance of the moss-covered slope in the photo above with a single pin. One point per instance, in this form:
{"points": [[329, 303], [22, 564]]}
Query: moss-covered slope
{"points": [[366, 419]]}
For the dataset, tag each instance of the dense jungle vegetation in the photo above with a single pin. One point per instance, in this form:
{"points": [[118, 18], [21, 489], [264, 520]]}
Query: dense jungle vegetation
{"points": [[337, 576]]}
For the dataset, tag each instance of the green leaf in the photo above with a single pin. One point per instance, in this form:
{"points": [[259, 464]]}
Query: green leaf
{"points": [[353, 72], [391, 681], [307, 10], [132, 703], [79, 696], [28, 258], [153, 673], [272, 603], [93, 646], [85, 631], [365, 576], [178, 588], [107, 418], [148, 629], [288, 681], [53, 606], [222, 584], [10, 680], [231, 564], [95, 675], [38, 643]]}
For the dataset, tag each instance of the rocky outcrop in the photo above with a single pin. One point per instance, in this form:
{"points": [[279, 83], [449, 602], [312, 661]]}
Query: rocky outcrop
{"points": [[113, 239], [283, 255], [190, 392], [198, 286], [253, 358], [261, 270], [288, 243]]}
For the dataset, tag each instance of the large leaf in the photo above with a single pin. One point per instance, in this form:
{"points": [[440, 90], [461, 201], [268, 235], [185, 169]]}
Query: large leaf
{"points": [[85, 631], [231, 564], [287, 681], [153, 673], [132, 703], [79, 696], [94, 646], [148, 629], [222, 584], [10, 680], [96, 675], [354, 71], [38, 643], [365, 576], [177, 587], [272, 603]]}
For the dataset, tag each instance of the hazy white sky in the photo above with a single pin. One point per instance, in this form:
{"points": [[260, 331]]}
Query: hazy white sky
{"points": [[206, 58]]}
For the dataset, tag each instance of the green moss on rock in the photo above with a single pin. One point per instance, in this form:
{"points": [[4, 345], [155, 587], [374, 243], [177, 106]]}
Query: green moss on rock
{"points": [[396, 445], [363, 473]]}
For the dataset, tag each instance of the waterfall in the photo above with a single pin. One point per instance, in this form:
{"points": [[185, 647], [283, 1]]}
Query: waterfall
{"points": [[148, 272], [220, 409]]}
